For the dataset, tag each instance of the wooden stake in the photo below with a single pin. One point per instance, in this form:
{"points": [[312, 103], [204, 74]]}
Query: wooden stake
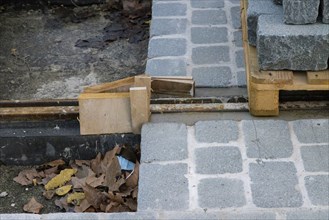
{"points": [[140, 108]]}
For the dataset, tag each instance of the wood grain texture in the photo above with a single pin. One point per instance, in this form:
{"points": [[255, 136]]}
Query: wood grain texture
{"points": [[140, 108]]}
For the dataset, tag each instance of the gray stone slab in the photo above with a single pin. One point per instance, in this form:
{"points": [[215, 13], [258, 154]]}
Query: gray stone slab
{"points": [[162, 26], [221, 193], [209, 17], [210, 54], [255, 9], [312, 130], [208, 35], [163, 142], [212, 76], [161, 9], [236, 17], [207, 3], [273, 185], [167, 47], [292, 47], [318, 189], [325, 11], [251, 216], [242, 78], [126, 216], [239, 58], [267, 139], [222, 131], [315, 158], [238, 38], [70, 216], [166, 67], [18, 216], [308, 215], [300, 12], [218, 160], [163, 187]]}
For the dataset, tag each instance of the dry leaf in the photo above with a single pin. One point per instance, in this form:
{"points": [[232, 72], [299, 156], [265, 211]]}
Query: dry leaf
{"points": [[84, 205], [109, 155], [63, 190], [94, 196], [59, 180], [50, 171], [25, 177], [135, 193], [84, 171], [75, 197], [32, 206], [48, 178], [78, 183], [132, 180], [95, 164], [115, 197], [131, 203], [82, 162], [55, 163], [112, 172], [95, 182], [62, 204], [49, 194]]}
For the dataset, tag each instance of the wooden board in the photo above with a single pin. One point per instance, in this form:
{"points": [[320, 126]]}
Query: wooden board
{"points": [[140, 108], [104, 113], [264, 86], [179, 87], [121, 85]]}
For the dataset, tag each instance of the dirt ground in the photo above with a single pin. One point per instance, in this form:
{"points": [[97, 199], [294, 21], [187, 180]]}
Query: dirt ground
{"points": [[19, 195], [55, 51]]}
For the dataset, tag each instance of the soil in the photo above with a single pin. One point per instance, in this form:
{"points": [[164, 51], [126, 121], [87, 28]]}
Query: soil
{"points": [[19, 195], [51, 51]]}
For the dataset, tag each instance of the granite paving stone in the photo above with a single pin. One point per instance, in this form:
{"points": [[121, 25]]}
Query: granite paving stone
{"points": [[208, 35], [238, 38], [167, 47], [212, 76], [325, 11], [169, 140], [218, 160], [318, 189], [292, 47], [209, 17], [315, 158], [300, 12], [312, 131], [221, 193], [207, 3], [166, 67], [210, 54], [163, 187], [236, 19], [273, 185], [242, 78], [160, 27], [308, 215], [161, 9], [239, 58], [222, 131], [267, 139]]}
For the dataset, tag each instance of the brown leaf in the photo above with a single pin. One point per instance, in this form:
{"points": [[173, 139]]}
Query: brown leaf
{"points": [[82, 162], [62, 204], [32, 206], [132, 180], [95, 164], [49, 194], [84, 171], [112, 207], [131, 203], [109, 155], [135, 193], [52, 170], [25, 177], [95, 182], [78, 183], [125, 191], [93, 196], [55, 163], [84, 205], [115, 197], [113, 170], [48, 178]]}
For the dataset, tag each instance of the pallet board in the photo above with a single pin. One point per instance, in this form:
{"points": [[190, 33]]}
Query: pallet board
{"points": [[264, 86]]}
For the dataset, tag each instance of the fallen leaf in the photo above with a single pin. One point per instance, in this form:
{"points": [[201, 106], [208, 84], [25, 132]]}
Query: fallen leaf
{"points": [[95, 164], [48, 178], [78, 183], [63, 190], [50, 171], [55, 163], [94, 196], [62, 204], [25, 177], [32, 206], [84, 171], [49, 194], [95, 182], [82, 162], [115, 197], [84, 205], [135, 193], [59, 180], [75, 197], [131, 203], [132, 179], [112, 172]]}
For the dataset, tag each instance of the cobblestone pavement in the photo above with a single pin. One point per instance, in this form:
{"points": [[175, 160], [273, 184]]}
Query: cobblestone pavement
{"points": [[199, 38]]}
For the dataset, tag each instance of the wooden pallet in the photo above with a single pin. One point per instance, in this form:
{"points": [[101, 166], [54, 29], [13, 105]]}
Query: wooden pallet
{"points": [[264, 86]]}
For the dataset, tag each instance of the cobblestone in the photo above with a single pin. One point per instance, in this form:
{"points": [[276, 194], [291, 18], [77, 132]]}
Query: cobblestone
{"points": [[239, 58], [212, 76], [322, 159], [210, 55], [312, 131], [207, 3], [208, 35], [218, 160], [209, 17], [318, 189], [162, 67], [228, 193], [161, 9], [167, 47], [160, 27], [308, 215]]}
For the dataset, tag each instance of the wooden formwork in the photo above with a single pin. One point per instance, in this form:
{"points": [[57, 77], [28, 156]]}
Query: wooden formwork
{"points": [[264, 86]]}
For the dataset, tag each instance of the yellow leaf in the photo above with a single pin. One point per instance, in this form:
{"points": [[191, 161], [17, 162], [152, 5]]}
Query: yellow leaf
{"points": [[77, 196], [63, 190], [59, 180]]}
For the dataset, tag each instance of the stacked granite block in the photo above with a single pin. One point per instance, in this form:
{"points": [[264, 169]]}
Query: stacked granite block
{"points": [[290, 34]]}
